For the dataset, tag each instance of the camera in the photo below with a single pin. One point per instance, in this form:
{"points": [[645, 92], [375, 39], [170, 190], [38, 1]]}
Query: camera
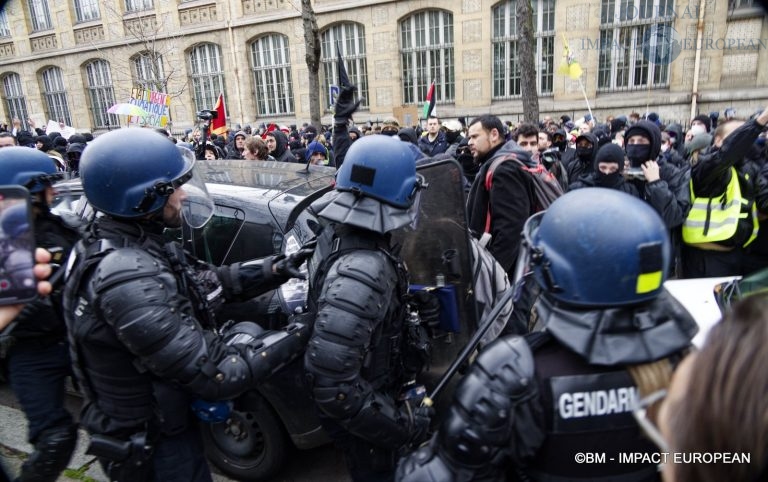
{"points": [[634, 173], [549, 157], [207, 114]]}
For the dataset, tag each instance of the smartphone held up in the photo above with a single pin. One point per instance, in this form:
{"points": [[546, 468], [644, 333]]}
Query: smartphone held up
{"points": [[17, 246]]}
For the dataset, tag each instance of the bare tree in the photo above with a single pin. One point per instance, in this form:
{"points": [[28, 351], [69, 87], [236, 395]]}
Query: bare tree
{"points": [[526, 44], [159, 65], [312, 57]]}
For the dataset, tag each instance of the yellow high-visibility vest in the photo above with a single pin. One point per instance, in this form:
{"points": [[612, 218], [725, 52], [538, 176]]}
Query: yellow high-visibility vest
{"points": [[716, 219]]}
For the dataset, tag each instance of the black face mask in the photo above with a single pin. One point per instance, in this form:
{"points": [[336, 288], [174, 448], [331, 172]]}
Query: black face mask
{"points": [[560, 145], [638, 154], [584, 153], [451, 136], [608, 180]]}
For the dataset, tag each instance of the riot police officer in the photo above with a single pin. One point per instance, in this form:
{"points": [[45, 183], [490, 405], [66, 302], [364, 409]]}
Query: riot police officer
{"points": [[37, 354], [359, 358], [141, 312], [530, 406]]}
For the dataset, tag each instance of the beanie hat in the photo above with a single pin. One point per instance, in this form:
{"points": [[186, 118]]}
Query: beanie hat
{"points": [[610, 153], [654, 117], [77, 139], [602, 134], [704, 119], [78, 147], [24, 138], [313, 148], [698, 142]]}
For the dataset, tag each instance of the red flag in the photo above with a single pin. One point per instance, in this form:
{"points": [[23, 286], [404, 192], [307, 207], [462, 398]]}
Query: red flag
{"points": [[219, 124], [429, 105]]}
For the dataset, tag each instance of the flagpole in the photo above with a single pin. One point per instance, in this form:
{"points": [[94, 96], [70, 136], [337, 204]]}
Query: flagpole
{"points": [[584, 91]]}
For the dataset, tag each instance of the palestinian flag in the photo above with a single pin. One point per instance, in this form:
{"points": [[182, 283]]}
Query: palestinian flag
{"points": [[429, 104]]}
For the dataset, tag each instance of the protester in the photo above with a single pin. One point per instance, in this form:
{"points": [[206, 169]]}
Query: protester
{"points": [[723, 220], [256, 150], [434, 142], [608, 173], [277, 143]]}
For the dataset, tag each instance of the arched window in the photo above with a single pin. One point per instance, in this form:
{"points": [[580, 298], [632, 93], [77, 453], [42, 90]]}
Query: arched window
{"points": [[147, 71], [207, 75], [350, 40], [271, 64], [426, 51], [15, 102], [506, 68], [55, 95], [101, 93]]}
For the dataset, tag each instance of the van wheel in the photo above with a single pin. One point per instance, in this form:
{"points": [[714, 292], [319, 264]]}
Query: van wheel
{"points": [[251, 444]]}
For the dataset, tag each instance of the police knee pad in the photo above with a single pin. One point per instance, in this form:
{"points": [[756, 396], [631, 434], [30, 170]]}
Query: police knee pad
{"points": [[53, 451]]}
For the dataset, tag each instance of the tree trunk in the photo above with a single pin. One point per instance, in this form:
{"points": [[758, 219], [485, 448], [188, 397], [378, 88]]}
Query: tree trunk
{"points": [[312, 44], [526, 47]]}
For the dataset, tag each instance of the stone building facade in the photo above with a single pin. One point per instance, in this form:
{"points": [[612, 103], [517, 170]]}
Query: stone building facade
{"points": [[70, 60]]}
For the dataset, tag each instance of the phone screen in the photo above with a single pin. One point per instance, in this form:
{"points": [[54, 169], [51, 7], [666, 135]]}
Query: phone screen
{"points": [[17, 246]]}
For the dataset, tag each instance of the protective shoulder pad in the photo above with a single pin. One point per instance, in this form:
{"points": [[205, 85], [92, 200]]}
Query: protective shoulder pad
{"points": [[367, 267], [124, 264], [508, 365], [496, 412]]}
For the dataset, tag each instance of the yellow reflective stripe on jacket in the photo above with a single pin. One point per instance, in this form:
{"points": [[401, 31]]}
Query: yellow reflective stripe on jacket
{"points": [[716, 219]]}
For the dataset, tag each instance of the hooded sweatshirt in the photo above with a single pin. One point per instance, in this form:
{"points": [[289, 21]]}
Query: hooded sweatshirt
{"points": [[670, 195], [281, 152], [583, 163], [639, 154], [232, 151]]}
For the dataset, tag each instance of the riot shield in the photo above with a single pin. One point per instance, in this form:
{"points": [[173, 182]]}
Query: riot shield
{"points": [[436, 249]]}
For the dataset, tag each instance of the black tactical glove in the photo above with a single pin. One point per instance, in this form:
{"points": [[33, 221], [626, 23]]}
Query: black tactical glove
{"points": [[421, 418], [428, 306], [345, 104], [288, 266]]}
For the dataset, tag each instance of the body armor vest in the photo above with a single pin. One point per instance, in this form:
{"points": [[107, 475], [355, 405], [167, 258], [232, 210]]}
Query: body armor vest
{"points": [[123, 397], [383, 363], [589, 409]]}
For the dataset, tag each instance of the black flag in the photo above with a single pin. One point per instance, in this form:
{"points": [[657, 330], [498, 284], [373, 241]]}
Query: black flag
{"points": [[343, 77]]}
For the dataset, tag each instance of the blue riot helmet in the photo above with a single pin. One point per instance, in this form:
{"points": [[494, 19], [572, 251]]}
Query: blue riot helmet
{"points": [[27, 167], [377, 187], [598, 247], [131, 173], [382, 168]]}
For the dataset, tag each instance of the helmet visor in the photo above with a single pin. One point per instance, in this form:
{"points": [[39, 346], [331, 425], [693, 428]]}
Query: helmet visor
{"points": [[197, 206], [528, 251]]}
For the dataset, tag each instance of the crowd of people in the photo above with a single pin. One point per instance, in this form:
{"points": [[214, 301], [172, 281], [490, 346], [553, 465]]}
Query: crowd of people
{"points": [[637, 202]]}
